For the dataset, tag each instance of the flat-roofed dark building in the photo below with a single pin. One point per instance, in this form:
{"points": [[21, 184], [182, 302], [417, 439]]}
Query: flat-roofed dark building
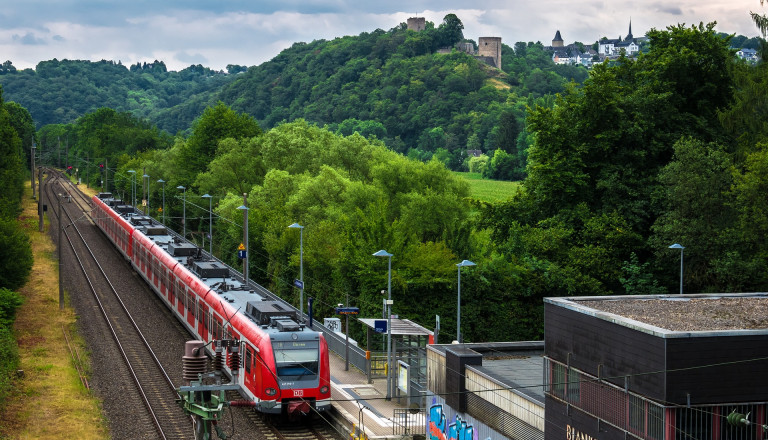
{"points": [[668, 367]]}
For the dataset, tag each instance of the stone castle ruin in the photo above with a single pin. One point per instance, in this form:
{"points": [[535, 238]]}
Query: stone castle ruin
{"points": [[417, 24], [489, 48]]}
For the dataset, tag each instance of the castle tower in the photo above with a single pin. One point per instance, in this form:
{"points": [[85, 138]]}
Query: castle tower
{"points": [[558, 40], [490, 47], [417, 24]]}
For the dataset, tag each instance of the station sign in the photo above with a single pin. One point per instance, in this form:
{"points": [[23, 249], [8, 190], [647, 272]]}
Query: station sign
{"points": [[298, 283], [241, 255], [380, 325]]}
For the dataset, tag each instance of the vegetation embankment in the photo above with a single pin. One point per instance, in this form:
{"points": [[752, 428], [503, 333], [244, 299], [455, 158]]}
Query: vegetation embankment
{"points": [[48, 401]]}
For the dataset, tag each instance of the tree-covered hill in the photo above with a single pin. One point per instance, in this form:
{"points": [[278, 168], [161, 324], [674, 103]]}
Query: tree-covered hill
{"points": [[406, 88], [58, 92]]}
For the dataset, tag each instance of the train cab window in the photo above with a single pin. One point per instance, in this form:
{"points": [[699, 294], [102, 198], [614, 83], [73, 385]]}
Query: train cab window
{"points": [[296, 359]]}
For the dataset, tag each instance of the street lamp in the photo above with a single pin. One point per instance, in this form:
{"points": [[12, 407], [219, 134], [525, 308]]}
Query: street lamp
{"points": [[133, 194], [161, 181], [681, 247], [458, 303], [301, 267], [146, 189], [383, 253], [184, 215], [210, 222], [245, 239]]}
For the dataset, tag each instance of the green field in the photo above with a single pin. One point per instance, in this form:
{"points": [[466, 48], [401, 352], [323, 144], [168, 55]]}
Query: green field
{"points": [[489, 190]]}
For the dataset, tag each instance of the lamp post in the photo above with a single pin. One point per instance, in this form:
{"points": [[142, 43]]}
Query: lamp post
{"points": [[210, 222], [184, 212], [133, 194], [681, 247], [301, 267], [245, 238], [383, 253], [458, 303], [146, 189], [162, 182]]}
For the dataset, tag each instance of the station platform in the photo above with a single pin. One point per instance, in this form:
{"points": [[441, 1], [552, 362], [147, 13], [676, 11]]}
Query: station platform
{"points": [[362, 407]]}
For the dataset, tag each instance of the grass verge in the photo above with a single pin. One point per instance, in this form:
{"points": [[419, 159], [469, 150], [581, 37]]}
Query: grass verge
{"points": [[48, 401]]}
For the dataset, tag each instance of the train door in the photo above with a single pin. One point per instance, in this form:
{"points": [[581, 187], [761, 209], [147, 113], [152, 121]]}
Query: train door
{"points": [[171, 291], [181, 295], [155, 270], [163, 280], [191, 308], [202, 320]]}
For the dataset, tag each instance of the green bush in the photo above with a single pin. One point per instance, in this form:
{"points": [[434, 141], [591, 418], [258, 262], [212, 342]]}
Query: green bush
{"points": [[9, 302], [15, 255]]}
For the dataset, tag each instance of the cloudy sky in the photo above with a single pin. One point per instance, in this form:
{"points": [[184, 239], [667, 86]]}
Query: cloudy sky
{"points": [[215, 33]]}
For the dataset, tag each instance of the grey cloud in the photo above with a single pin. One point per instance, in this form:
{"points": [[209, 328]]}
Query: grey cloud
{"points": [[28, 39], [59, 38], [191, 58]]}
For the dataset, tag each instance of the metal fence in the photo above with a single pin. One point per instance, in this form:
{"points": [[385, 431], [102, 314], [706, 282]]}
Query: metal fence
{"points": [[409, 421]]}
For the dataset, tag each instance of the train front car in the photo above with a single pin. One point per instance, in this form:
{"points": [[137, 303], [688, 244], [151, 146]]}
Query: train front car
{"points": [[285, 367], [295, 357]]}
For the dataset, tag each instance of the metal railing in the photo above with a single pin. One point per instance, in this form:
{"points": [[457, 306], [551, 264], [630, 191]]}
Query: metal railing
{"points": [[409, 421]]}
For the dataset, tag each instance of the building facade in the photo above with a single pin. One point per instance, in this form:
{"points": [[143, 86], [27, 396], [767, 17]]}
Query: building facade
{"points": [[649, 367]]}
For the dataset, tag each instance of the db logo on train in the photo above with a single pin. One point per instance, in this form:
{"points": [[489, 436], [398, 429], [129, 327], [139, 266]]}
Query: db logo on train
{"points": [[298, 393]]}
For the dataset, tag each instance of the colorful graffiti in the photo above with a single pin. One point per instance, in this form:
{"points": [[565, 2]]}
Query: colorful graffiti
{"points": [[439, 429]]}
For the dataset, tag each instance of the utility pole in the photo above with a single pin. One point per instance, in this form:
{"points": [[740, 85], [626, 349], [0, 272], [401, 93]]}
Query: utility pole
{"points": [[106, 175], [61, 266], [32, 169], [40, 201], [245, 239]]}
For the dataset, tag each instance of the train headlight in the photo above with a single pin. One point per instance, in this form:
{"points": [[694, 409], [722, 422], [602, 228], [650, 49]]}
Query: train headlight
{"points": [[270, 391], [324, 389]]}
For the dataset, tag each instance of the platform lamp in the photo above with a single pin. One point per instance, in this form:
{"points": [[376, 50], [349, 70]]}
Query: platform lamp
{"points": [[146, 189], [162, 182], [681, 247], [184, 212], [301, 267], [464, 263], [383, 253], [245, 238], [133, 182], [210, 222]]}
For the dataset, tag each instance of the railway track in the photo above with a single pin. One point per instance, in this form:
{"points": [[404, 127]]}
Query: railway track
{"points": [[151, 384], [271, 428], [137, 359]]}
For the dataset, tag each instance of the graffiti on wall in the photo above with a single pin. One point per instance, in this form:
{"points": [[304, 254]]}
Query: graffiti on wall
{"points": [[440, 429]]}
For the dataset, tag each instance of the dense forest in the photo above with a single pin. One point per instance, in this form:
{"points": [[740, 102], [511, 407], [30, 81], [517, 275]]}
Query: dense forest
{"points": [[619, 164], [15, 249]]}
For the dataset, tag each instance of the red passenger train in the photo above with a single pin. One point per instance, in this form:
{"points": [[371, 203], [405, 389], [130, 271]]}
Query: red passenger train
{"points": [[284, 367]]}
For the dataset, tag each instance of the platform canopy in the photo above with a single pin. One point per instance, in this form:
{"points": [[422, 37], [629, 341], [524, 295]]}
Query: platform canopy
{"points": [[403, 327]]}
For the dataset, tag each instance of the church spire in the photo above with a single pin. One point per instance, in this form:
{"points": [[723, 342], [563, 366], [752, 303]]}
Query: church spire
{"points": [[629, 35]]}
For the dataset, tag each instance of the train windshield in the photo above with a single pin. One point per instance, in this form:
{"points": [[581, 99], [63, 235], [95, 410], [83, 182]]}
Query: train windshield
{"points": [[296, 359]]}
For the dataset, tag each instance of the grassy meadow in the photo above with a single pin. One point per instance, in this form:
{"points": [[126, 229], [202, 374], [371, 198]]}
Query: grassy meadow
{"points": [[491, 191]]}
